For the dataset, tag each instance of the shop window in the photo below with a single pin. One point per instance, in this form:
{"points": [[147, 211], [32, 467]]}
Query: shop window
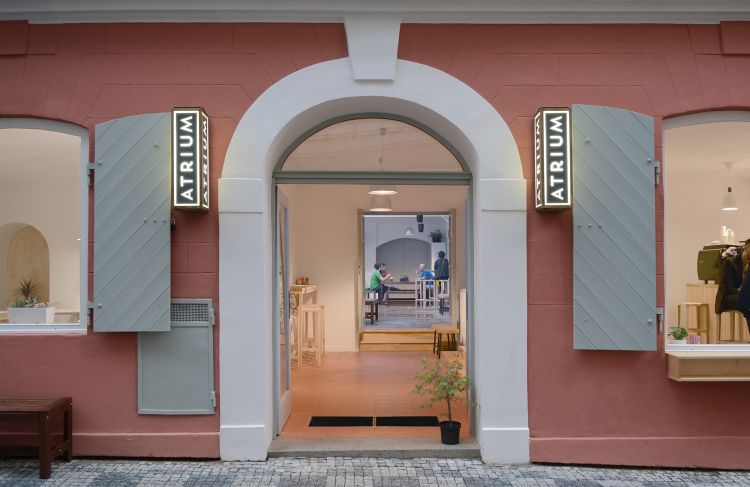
{"points": [[705, 224], [40, 230]]}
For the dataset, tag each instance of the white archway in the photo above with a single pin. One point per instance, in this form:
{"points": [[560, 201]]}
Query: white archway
{"points": [[471, 125]]}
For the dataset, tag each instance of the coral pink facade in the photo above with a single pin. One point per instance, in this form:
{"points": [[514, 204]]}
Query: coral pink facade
{"points": [[584, 407]]}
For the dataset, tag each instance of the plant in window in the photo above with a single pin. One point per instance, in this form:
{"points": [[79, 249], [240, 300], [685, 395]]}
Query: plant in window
{"points": [[678, 334], [443, 382], [437, 235], [26, 294], [403, 277], [26, 308]]}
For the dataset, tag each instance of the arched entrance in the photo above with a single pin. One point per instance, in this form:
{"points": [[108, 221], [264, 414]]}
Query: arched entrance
{"points": [[497, 300]]}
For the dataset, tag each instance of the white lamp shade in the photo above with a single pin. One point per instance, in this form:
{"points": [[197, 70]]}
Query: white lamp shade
{"points": [[730, 202], [409, 231], [380, 203], [382, 190]]}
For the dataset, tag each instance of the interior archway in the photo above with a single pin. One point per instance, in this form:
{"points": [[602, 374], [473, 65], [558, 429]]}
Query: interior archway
{"points": [[468, 123]]}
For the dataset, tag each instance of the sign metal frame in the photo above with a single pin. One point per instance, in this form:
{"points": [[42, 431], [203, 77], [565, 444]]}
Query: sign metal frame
{"points": [[190, 159], [553, 168]]}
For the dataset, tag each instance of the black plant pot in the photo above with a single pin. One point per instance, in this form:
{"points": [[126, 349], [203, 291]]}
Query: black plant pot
{"points": [[449, 432]]}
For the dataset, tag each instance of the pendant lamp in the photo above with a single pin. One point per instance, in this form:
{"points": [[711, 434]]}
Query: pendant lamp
{"points": [[380, 203], [382, 189], [730, 202]]}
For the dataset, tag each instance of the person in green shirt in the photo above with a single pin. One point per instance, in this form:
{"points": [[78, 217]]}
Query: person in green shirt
{"points": [[377, 282]]}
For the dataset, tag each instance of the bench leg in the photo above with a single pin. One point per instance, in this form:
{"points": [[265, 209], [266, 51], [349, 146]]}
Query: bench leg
{"points": [[68, 434], [45, 460]]}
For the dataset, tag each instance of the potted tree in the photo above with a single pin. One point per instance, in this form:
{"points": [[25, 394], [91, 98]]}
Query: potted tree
{"points": [[25, 307], [436, 236], [443, 382], [678, 334]]}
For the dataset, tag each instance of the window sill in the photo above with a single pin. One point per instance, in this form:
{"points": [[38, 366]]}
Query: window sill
{"points": [[727, 365], [43, 329]]}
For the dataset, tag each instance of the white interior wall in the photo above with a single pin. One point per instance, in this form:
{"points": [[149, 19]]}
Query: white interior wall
{"points": [[56, 215], [323, 236]]}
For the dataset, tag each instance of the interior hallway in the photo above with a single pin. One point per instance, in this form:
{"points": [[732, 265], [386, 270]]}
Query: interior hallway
{"points": [[364, 384]]}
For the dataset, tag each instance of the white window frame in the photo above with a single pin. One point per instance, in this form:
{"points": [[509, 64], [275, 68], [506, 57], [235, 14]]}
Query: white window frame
{"points": [[66, 128], [668, 124]]}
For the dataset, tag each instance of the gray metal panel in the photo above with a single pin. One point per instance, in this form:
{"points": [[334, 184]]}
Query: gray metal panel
{"points": [[175, 368], [614, 239], [132, 224]]}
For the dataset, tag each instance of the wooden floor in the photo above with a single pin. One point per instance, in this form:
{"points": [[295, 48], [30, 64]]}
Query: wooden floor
{"points": [[363, 384]]}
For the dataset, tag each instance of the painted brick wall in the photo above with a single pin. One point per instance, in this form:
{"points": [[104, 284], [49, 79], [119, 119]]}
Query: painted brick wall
{"points": [[90, 73], [602, 407]]}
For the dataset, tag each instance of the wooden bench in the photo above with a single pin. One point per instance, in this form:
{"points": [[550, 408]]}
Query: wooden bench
{"points": [[48, 446]]}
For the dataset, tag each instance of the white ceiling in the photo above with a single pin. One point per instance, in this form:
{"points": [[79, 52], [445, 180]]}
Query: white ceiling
{"points": [[702, 150], [355, 145], [39, 158]]}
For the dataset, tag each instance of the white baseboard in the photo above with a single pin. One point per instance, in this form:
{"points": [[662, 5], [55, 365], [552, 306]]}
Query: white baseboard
{"points": [[244, 442], [504, 445]]}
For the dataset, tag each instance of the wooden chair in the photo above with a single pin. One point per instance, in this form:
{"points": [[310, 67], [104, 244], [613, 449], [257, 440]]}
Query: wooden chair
{"points": [[736, 320], [701, 318], [371, 310]]}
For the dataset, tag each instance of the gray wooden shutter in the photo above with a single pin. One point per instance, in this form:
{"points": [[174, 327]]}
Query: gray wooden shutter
{"points": [[132, 224], [176, 368], [614, 241]]}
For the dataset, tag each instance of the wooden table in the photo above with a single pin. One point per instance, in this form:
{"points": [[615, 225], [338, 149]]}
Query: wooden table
{"points": [[45, 410]]}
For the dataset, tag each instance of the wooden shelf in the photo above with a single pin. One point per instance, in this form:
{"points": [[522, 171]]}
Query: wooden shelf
{"points": [[730, 366]]}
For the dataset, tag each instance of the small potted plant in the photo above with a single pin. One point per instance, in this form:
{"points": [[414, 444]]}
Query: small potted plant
{"points": [[403, 277], [26, 308], [436, 236], [443, 382], [678, 334]]}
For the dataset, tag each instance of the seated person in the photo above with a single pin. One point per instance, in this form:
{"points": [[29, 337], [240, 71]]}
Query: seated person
{"points": [[422, 274], [378, 280]]}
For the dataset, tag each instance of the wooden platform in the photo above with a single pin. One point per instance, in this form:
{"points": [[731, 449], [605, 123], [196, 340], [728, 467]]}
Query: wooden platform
{"points": [[709, 366], [396, 341]]}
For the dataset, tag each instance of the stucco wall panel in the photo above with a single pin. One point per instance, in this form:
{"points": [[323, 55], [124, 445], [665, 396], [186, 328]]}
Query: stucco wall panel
{"points": [[608, 407], [104, 71]]}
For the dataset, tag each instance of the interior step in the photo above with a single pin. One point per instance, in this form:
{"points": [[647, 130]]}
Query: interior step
{"points": [[396, 340], [373, 447]]}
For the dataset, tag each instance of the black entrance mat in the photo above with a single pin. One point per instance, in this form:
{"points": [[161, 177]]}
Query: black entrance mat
{"points": [[407, 421], [340, 421]]}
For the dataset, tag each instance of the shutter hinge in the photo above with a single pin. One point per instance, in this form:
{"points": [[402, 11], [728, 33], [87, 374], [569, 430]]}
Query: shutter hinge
{"points": [[660, 318], [92, 305], [212, 318], [212, 397], [90, 167], [657, 172]]}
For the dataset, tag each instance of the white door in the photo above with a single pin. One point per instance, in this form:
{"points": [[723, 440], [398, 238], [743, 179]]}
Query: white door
{"points": [[282, 327]]}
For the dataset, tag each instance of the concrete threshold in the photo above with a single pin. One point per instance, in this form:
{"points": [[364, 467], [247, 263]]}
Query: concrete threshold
{"points": [[373, 447]]}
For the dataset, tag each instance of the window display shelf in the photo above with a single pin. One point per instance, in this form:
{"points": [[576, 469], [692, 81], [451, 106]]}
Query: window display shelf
{"points": [[709, 366]]}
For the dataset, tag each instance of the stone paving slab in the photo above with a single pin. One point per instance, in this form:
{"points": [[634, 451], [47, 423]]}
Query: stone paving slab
{"points": [[358, 472]]}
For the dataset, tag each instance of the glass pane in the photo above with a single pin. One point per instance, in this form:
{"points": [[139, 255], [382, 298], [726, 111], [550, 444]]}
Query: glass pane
{"points": [[360, 145]]}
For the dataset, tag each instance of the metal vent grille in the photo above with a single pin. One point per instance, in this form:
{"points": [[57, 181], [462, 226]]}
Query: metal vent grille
{"points": [[191, 311]]}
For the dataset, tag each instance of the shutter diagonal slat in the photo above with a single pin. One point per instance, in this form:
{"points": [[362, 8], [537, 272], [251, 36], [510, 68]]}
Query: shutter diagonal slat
{"points": [[132, 224], [614, 238]]}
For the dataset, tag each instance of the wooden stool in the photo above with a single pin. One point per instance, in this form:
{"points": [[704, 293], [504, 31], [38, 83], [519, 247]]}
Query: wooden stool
{"points": [[701, 318], [372, 313], [312, 320], [735, 326], [451, 334]]}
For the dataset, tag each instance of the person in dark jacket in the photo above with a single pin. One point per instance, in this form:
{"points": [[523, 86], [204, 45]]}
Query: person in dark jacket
{"points": [[734, 281], [442, 267]]}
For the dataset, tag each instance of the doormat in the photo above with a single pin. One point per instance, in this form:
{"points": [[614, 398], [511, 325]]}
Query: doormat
{"points": [[407, 421], [316, 421]]}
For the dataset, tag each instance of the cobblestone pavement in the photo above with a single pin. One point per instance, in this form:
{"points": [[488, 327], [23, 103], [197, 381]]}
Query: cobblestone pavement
{"points": [[335, 472]]}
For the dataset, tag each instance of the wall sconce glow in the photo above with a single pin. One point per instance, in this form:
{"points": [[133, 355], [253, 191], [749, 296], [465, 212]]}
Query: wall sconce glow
{"points": [[552, 159], [380, 203], [409, 231], [730, 202], [189, 159], [382, 190]]}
